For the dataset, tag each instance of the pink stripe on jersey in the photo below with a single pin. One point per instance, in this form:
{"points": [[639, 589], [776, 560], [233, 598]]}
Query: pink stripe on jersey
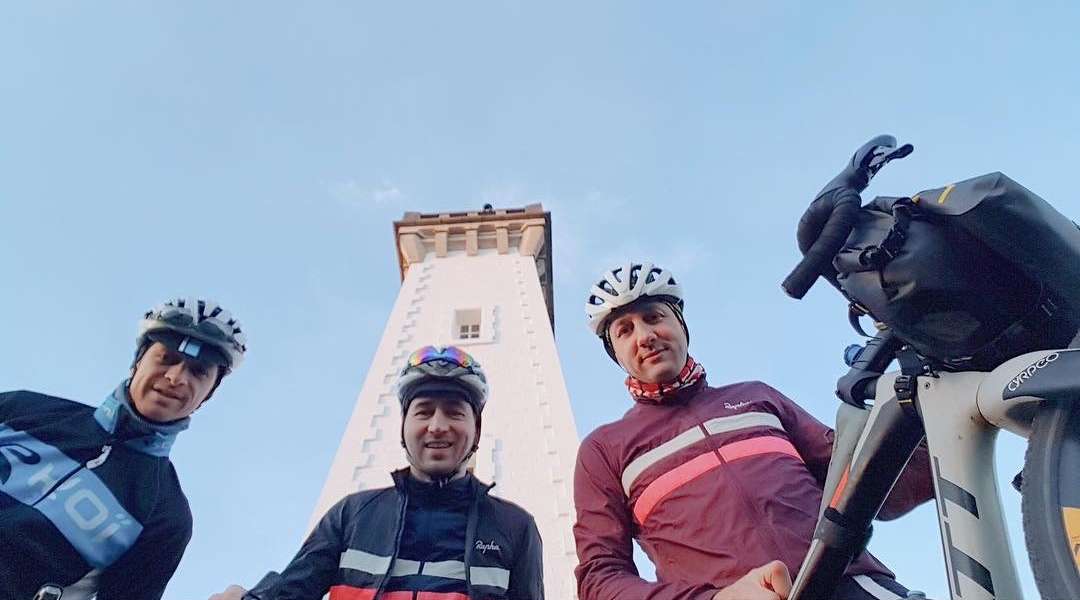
{"points": [[667, 483]]}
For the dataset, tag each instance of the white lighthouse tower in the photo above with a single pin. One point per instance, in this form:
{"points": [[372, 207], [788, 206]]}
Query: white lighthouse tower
{"points": [[482, 281]]}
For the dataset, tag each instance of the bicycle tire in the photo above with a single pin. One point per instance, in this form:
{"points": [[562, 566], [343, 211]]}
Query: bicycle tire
{"points": [[1050, 501]]}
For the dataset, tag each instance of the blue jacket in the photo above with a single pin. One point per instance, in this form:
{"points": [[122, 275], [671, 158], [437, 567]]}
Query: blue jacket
{"points": [[408, 541], [89, 500]]}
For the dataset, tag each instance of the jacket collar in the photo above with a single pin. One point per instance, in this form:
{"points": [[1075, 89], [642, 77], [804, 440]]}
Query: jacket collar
{"points": [[402, 476], [679, 396], [118, 418], [688, 378]]}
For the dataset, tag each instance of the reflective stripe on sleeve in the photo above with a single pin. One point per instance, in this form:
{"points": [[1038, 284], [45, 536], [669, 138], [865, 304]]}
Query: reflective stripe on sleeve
{"points": [[490, 576], [358, 560]]}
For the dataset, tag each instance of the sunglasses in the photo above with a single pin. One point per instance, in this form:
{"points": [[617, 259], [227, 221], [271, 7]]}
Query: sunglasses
{"points": [[451, 354]]}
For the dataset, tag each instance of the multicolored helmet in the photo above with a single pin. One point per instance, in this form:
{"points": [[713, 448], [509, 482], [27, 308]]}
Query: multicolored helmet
{"points": [[442, 369], [195, 327]]}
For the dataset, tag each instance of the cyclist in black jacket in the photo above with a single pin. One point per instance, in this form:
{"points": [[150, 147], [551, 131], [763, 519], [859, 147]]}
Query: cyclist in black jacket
{"points": [[89, 501], [436, 534]]}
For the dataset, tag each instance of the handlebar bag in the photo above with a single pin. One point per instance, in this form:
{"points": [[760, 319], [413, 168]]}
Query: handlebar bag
{"points": [[970, 274]]}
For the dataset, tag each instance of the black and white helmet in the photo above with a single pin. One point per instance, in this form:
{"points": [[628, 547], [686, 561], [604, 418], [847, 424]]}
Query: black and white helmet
{"points": [[624, 284], [442, 368], [200, 321]]}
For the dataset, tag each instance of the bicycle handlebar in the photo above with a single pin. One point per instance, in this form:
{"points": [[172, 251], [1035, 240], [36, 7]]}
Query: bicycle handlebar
{"points": [[828, 222], [825, 225]]}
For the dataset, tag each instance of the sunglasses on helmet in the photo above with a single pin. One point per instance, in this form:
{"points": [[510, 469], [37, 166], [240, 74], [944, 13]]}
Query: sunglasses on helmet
{"points": [[450, 354]]}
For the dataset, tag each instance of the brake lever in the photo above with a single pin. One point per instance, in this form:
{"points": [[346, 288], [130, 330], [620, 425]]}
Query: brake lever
{"points": [[882, 156], [866, 162]]}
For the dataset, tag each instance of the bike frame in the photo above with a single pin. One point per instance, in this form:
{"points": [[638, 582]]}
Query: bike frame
{"points": [[960, 415]]}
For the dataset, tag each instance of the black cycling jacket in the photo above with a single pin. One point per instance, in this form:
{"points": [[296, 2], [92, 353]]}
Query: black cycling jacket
{"points": [[89, 500], [356, 552]]}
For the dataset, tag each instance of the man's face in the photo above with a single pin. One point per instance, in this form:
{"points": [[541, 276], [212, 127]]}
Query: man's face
{"points": [[649, 342], [166, 386], [439, 431]]}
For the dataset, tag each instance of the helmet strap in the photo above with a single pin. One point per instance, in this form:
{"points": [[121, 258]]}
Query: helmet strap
{"points": [[139, 352], [222, 372]]}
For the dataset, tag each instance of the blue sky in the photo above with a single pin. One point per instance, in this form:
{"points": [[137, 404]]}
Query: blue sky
{"points": [[257, 153]]}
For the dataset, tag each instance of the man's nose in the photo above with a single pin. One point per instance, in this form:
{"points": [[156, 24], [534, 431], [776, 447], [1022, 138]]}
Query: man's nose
{"points": [[646, 335], [175, 374], [438, 422]]}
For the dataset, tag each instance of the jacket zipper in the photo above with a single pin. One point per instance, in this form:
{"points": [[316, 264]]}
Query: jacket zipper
{"points": [[100, 460], [470, 539], [397, 545], [106, 448]]}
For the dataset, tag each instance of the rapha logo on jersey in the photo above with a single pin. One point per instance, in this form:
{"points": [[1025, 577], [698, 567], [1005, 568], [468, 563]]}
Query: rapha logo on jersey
{"points": [[737, 405], [18, 452], [484, 547], [1030, 372]]}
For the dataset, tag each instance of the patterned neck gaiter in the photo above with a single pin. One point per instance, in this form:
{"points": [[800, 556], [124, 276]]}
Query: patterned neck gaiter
{"points": [[657, 392]]}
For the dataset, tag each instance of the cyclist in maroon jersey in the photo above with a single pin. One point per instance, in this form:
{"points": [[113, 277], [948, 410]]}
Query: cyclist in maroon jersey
{"points": [[712, 482]]}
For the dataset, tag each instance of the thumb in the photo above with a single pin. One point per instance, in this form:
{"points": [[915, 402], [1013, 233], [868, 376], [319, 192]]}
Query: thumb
{"points": [[233, 592], [775, 576]]}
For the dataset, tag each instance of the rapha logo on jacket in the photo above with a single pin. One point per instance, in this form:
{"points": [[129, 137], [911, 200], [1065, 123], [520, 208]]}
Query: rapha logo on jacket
{"points": [[484, 547], [737, 405]]}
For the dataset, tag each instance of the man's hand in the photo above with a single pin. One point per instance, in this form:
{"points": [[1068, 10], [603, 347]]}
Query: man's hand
{"points": [[767, 582], [235, 592]]}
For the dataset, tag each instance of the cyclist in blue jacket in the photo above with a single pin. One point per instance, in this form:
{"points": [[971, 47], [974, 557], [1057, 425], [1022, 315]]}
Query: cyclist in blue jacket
{"points": [[436, 534], [89, 500]]}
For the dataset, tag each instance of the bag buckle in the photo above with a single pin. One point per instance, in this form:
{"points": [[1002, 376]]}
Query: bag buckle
{"points": [[905, 387]]}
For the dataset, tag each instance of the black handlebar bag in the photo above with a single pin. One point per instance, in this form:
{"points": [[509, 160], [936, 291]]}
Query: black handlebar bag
{"points": [[970, 274]]}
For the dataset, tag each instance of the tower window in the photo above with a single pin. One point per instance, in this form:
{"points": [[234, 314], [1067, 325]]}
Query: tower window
{"points": [[467, 324]]}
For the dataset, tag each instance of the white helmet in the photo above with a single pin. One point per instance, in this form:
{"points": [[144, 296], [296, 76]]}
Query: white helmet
{"points": [[624, 284], [198, 319]]}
